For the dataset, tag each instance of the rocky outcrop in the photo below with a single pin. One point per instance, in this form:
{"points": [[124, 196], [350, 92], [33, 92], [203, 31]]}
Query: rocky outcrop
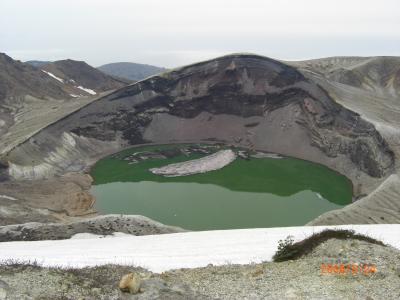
{"points": [[130, 283], [216, 100], [101, 225]]}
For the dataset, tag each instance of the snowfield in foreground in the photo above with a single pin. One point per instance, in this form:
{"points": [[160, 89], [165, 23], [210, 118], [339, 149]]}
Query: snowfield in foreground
{"points": [[159, 253]]}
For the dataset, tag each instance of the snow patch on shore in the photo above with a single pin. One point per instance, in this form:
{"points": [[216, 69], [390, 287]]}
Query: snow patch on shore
{"points": [[205, 164]]}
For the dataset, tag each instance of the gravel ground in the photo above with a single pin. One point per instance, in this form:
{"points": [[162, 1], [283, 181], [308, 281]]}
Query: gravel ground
{"points": [[303, 279], [300, 279]]}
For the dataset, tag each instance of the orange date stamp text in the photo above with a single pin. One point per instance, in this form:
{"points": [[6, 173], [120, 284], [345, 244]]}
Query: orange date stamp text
{"points": [[348, 269]]}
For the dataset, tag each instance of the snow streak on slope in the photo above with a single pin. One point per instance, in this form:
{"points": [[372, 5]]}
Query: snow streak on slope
{"points": [[54, 76], [159, 253], [89, 91], [8, 197]]}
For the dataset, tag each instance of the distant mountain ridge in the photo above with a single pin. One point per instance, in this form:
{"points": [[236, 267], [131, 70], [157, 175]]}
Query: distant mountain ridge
{"points": [[131, 71], [36, 93], [18, 79], [80, 75], [56, 80], [37, 63]]}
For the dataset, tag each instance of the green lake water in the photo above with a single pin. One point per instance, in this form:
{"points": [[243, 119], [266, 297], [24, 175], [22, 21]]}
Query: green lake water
{"points": [[260, 192]]}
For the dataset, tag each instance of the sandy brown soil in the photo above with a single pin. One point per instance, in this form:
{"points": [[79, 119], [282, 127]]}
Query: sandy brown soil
{"points": [[55, 199]]}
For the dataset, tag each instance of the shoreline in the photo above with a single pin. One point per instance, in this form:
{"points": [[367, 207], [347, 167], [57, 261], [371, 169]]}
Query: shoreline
{"points": [[87, 170], [63, 216]]}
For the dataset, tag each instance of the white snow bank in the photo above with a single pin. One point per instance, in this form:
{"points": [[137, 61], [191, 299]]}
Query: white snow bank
{"points": [[73, 95], [54, 76], [163, 252], [208, 163], [89, 91]]}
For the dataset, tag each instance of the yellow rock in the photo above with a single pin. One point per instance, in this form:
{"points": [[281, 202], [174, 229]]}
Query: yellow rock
{"points": [[130, 283]]}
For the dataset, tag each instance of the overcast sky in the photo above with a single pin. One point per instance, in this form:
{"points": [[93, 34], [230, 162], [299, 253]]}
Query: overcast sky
{"points": [[170, 33]]}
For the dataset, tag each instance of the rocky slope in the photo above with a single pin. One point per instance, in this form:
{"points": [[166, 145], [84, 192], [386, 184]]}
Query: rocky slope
{"points": [[18, 79], [82, 77], [100, 225], [52, 198], [378, 74], [373, 90], [374, 94], [54, 80], [380, 206], [33, 97], [131, 71], [215, 100]]}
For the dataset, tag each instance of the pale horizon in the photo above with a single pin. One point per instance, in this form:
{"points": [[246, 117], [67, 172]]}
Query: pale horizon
{"points": [[175, 33]]}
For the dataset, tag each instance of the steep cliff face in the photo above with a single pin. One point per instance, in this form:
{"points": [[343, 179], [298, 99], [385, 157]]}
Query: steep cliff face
{"points": [[247, 100]]}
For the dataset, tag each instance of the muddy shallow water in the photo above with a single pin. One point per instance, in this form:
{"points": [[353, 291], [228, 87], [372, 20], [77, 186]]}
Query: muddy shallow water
{"points": [[253, 192]]}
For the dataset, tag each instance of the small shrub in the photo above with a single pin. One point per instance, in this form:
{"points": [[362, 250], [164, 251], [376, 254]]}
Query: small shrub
{"points": [[288, 250], [285, 248], [17, 264]]}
